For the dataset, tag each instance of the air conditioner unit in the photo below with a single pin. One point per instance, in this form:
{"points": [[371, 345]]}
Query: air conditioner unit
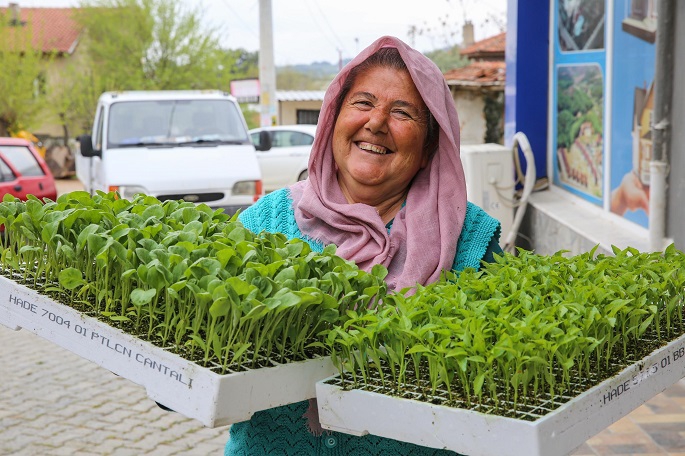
{"points": [[489, 170]]}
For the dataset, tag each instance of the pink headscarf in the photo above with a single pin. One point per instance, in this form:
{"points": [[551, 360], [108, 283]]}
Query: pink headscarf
{"points": [[424, 234]]}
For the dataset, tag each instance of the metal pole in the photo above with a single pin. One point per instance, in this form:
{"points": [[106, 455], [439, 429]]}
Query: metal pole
{"points": [[661, 128], [267, 69], [663, 79]]}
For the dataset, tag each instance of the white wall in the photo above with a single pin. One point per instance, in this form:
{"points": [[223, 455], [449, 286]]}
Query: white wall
{"points": [[470, 107], [288, 110]]}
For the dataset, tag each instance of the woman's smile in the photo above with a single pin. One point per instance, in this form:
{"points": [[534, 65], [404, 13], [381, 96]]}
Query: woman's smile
{"points": [[379, 137], [373, 148]]}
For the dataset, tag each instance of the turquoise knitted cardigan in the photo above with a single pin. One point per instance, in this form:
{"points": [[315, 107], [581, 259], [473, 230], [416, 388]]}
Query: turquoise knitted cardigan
{"points": [[283, 430]]}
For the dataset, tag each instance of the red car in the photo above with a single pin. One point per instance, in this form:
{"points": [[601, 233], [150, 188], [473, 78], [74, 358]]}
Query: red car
{"points": [[23, 171]]}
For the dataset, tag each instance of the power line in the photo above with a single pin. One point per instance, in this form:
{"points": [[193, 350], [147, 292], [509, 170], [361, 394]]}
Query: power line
{"points": [[342, 45], [235, 13], [339, 44]]}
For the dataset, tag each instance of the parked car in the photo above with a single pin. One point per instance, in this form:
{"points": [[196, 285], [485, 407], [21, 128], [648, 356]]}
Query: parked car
{"points": [[285, 160], [23, 171]]}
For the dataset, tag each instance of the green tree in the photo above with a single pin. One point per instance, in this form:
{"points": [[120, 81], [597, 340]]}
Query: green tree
{"points": [[289, 78], [150, 44], [22, 77], [145, 45], [75, 97], [448, 58], [243, 64]]}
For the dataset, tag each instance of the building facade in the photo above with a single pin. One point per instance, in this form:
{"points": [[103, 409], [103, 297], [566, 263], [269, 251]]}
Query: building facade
{"points": [[583, 84]]}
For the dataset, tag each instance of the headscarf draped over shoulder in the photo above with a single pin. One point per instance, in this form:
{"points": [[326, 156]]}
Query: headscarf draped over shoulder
{"points": [[424, 233]]}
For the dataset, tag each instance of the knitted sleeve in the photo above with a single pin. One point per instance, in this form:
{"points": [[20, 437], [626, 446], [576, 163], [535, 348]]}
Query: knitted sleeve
{"points": [[274, 213], [478, 237]]}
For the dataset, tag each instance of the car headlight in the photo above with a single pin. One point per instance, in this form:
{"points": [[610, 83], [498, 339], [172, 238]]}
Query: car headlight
{"points": [[128, 191], [245, 188]]}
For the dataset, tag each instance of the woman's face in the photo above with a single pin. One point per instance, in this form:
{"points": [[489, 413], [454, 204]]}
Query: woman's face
{"points": [[379, 135]]}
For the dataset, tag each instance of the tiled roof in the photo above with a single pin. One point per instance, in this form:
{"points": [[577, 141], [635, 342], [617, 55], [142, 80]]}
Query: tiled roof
{"points": [[53, 29], [300, 95], [478, 74], [489, 48]]}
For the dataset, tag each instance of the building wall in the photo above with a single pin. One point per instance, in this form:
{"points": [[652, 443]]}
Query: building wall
{"points": [[526, 92], [555, 220], [470, 107], [288, 110]]}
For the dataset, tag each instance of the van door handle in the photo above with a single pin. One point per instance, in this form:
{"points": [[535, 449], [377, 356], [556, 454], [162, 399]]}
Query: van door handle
{"points": [[17, 188]]}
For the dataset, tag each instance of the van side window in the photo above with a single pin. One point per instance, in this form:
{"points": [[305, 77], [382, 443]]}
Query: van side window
{"points": [[97, 141]]}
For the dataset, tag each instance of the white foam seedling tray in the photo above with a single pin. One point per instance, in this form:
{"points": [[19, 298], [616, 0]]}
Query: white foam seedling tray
{"points": [[473, 433], [185, 387]]}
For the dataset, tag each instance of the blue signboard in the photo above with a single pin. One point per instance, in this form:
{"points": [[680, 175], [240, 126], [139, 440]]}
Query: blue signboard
{"points": [[578, 97], [591, 104], [633, 99]]}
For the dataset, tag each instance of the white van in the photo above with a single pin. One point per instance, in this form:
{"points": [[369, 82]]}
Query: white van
{"points": [[190, 145]]}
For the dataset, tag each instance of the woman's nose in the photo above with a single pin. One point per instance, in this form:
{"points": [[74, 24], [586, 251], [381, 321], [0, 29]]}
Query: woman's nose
{"points": [[377, 122]]}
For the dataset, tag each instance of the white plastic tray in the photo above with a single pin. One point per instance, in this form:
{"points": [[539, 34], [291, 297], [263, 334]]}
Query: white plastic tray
{"points": [[185, 387], [477, 434]]}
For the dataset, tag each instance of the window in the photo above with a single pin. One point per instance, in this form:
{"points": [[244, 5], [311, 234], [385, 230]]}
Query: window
{"points": [[97, 141], [6, 174], [300, 139], [23, 160], [307, 117], [255, 139], [290, 139]]}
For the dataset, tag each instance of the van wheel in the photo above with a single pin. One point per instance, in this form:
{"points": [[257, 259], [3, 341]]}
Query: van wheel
{"points": [[303, 175]]}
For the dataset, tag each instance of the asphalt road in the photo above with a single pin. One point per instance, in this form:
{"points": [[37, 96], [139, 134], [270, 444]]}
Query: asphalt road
{"points": [[68, 185]]}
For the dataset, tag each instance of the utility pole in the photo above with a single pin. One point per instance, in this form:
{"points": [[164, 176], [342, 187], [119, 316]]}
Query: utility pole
{"points": [[267, 69]]}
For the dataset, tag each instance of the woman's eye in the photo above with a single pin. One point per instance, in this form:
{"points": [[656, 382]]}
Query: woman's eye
{"points": [[362, 103], [401, 113]]}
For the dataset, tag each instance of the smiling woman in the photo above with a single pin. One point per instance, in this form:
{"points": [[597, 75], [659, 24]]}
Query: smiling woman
{"points": [[382, 123], [386, 186]]}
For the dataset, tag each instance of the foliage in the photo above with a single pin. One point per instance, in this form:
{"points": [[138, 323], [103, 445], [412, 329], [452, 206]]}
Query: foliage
{"points": [[494, 117], [448, 58], [244, 64], [522, 326], [144, 45], [185, 275], [252, 117], [22, 77], [291, 78], [75, 96]]}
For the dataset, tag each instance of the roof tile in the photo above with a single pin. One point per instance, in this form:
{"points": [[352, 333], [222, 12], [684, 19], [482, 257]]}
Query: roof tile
{"points": [[478, 73], [54, 29], [493, 46]]}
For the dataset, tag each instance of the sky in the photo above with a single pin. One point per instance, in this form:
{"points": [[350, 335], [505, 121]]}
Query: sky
{"points": [[306, 31]]}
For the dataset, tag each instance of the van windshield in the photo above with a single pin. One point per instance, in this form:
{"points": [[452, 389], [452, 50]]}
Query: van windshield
{"points": [[174, 122]]}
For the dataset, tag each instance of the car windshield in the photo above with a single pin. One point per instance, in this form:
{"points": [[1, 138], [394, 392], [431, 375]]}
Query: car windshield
{"points": [[174, 122]]}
